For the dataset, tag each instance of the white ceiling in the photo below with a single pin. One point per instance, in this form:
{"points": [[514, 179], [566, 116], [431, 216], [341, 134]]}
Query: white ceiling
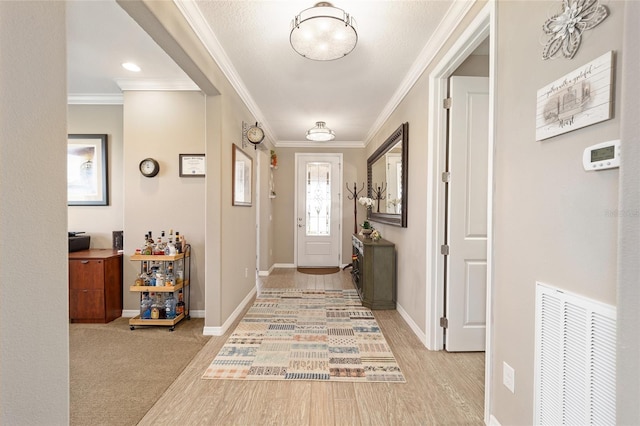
{"points": [[286, 92]]}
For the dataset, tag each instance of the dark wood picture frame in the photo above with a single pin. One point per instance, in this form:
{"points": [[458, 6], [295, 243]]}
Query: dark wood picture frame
{"points": [[87, 170]]}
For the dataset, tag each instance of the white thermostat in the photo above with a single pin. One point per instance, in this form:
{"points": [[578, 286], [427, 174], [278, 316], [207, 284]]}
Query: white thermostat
{"points": [[601, 156]]}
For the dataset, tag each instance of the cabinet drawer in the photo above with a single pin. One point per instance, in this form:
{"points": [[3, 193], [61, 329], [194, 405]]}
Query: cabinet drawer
{"points": [[86, 305], [86, 274]]}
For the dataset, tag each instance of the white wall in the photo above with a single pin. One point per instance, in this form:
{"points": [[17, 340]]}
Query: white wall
{"points": [[34, 342], [100, 221]]}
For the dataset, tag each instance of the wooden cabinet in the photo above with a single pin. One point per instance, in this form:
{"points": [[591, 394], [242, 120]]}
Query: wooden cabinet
{"points": [[95, 285], [374, 272]]}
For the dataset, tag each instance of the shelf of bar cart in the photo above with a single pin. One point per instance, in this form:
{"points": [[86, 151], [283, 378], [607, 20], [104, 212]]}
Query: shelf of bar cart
{"points": [[183, 285]]}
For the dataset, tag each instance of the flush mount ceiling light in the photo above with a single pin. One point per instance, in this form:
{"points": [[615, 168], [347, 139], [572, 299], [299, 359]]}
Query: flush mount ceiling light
{"points": [[131, 66], [323, 33], [320, 133]]}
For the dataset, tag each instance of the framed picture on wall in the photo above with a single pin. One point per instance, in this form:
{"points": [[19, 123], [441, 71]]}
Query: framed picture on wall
{"points": [[87, 177], [192, 165]]}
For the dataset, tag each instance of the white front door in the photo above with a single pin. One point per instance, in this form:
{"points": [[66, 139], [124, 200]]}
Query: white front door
{"points": [[318, 209], [466, 274]]}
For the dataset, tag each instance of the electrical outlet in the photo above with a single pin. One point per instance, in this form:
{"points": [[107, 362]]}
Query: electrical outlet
{"points": [[508, 377], [246, 272]]}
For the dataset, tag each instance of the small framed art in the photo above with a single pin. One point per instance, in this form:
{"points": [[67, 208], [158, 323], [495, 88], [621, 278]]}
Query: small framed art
{"points": [[192, 165]]}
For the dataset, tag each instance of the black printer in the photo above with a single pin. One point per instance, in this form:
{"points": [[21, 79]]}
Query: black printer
{"points": [[78, 242]]}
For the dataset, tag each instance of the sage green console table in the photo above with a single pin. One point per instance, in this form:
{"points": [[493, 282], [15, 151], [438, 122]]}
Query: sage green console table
{"points": [[374, 272]]}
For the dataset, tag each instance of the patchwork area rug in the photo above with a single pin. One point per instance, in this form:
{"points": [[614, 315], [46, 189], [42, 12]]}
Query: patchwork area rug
{"points": [[294, 334]]}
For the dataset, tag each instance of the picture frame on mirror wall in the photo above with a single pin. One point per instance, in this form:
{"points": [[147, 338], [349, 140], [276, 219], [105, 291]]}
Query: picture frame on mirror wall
{"points": [[242, 179]]}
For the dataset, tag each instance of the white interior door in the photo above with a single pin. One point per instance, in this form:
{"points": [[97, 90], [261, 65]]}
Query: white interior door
{"points": [[466, 275], [318, 209]]}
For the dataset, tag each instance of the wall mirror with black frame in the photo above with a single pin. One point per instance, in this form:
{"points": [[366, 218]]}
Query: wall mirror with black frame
{"points": [[387, 177]]}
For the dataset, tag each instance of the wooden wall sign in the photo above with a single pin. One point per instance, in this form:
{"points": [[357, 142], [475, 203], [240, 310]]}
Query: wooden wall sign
{"points": [[579, 99]]}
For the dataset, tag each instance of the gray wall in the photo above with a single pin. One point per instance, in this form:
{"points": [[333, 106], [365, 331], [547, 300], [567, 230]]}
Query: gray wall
{"points": [[474, 66], [411, 242], [163, 125], [628, 381], [553, 220], [34, 342]]}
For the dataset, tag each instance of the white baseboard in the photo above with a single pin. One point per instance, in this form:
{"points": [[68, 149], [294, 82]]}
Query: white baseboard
{"points": [[266, 273], [285, 265], [130, 313], [493, 421], [219, 331], [411, 323]]}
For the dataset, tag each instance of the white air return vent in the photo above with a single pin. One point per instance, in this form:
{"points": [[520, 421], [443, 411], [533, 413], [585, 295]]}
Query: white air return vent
{"points": [[575, 377]]}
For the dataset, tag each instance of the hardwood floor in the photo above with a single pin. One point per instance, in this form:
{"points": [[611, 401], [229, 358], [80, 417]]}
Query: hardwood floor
{"points": [[442, 388]]}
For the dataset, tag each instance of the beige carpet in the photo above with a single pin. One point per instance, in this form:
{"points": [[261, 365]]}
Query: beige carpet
{"points": [[116, 374]]}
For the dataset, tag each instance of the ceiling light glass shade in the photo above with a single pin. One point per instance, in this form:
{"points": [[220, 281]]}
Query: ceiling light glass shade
{"points": [[323, 33], [320, 133]]}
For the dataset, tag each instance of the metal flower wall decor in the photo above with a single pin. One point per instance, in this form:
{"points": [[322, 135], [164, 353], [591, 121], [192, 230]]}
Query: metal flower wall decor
{"points": [[566, 28]]}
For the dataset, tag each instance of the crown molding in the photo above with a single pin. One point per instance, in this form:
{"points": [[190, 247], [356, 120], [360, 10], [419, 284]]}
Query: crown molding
{"points": [[156, 84], [311, 144], [451, 20], [201, 28], [196, 20], [95, 99]]}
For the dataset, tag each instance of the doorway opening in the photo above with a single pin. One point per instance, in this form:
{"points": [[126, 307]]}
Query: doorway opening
{"points": [[479, 30]]}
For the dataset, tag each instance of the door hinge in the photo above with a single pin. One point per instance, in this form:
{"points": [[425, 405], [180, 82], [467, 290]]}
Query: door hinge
{"points": [[446, 177], [446, 103], [444, 322], [444, 249]]}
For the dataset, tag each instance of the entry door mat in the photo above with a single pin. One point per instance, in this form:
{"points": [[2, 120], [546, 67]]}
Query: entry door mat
{"points": [[316, 335], [319, 271]]}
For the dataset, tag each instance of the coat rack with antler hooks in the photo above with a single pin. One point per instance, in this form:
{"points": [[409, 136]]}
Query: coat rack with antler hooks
{"points": [[378, 193], [354, 197]]}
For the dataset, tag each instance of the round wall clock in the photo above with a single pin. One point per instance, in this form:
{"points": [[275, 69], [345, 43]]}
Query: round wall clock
{"points": [[255, 134], [149, 167]]}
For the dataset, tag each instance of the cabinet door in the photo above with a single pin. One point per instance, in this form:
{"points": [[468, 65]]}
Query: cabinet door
{"points": [[85, 274], [86, 305]]}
